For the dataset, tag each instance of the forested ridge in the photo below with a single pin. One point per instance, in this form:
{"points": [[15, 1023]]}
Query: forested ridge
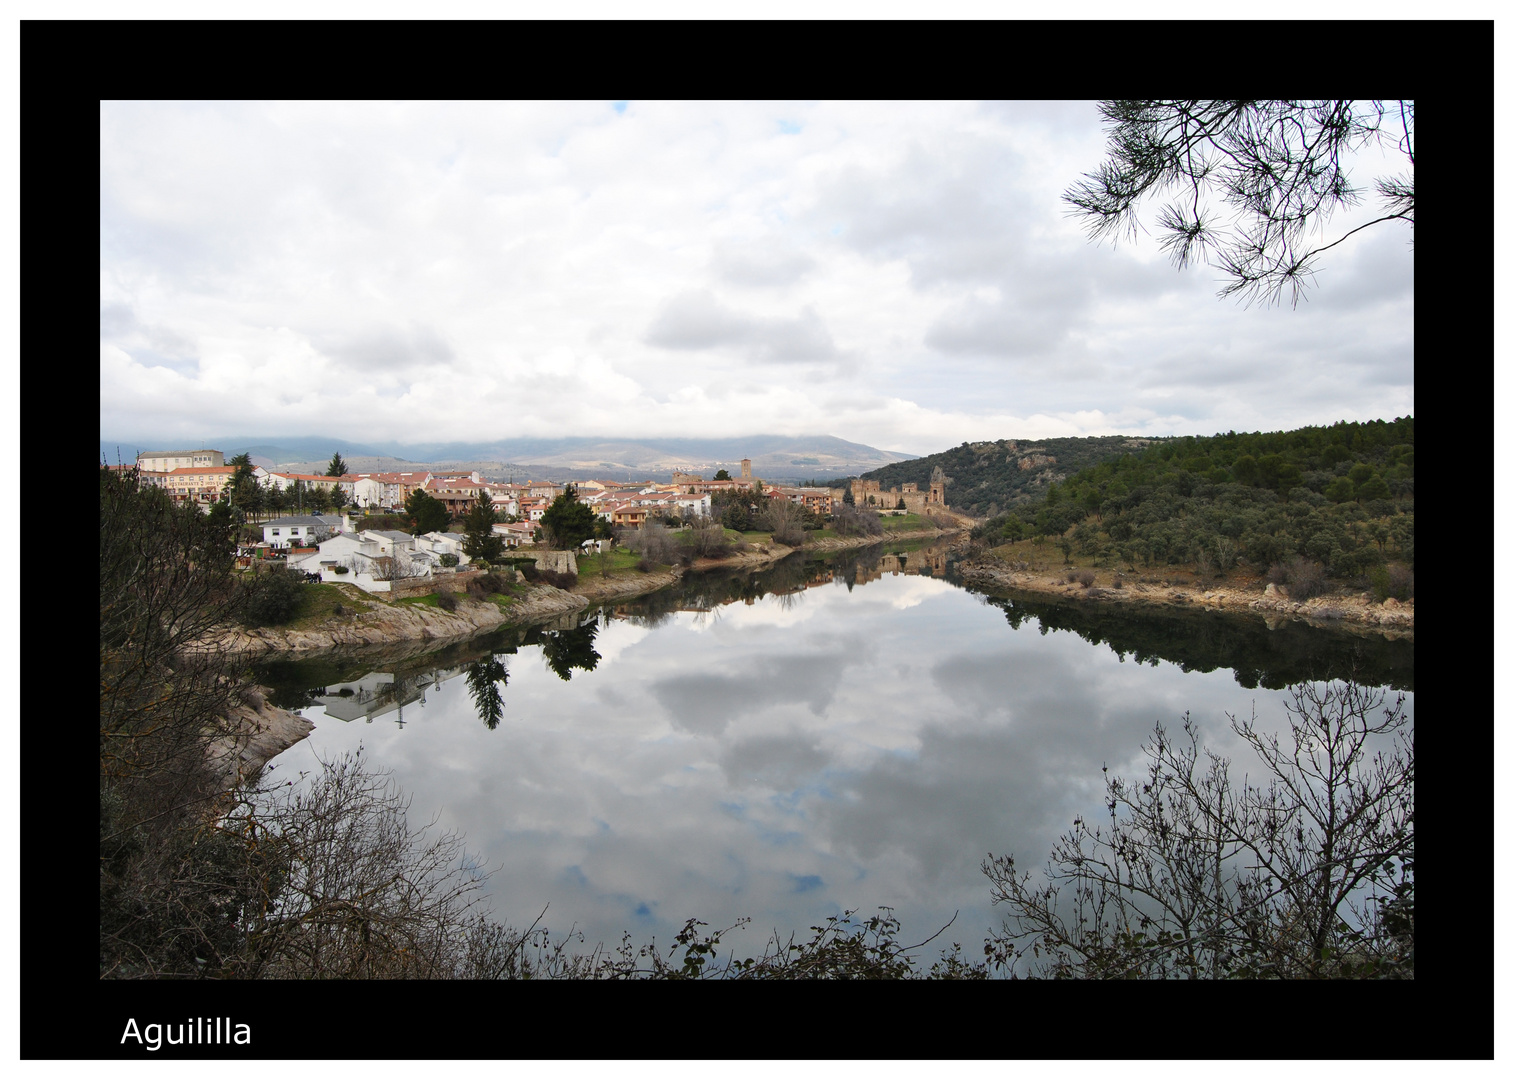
{"points": [[1340, 497], [988, 478]]}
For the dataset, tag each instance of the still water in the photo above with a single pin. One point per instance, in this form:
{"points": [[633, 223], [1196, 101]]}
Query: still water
{"points": [[816, 737]]}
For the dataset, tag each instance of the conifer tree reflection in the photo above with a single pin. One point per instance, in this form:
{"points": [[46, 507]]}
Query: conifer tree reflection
{"points": [[565, 650], [485, 677]]}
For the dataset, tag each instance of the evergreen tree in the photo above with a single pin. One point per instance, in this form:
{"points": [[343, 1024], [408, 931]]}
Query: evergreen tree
{"points": [[338, 467], [481, 543], [426, 513], [568, 521]]}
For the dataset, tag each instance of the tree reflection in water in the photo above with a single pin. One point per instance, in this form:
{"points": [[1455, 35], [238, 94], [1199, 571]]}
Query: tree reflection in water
{"points": [[566, 650], [485, 677]]}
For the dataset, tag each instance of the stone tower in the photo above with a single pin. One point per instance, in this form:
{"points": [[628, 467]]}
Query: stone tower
{"points": [[938, 486], [746, 468]]}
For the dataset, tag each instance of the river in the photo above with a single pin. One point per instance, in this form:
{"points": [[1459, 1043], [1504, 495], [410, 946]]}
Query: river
{"points": [[780, 746]]}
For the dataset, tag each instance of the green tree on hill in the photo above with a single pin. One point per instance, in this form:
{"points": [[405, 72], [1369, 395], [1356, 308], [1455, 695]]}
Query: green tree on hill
{"points": [[338, 467]]}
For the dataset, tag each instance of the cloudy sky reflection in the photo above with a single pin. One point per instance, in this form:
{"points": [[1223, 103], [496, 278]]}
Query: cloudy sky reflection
{"points": [[782, 761]]}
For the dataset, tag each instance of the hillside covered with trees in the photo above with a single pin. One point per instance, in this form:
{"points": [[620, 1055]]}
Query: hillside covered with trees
{"points": [[990, 478], [1339, 499]]}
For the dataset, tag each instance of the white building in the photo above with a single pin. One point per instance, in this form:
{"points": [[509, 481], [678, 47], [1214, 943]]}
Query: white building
{"points": [[370, 559], [168, 460], [296, 531]]}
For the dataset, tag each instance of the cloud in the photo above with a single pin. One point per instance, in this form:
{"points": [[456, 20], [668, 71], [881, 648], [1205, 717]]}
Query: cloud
{"points": [[697, 320], [760, 265], [390, 349], [898, 273], [705, 703]]}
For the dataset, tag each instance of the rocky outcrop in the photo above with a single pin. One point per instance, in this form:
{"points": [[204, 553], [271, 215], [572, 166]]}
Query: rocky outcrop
{"points": [[261, 731], [601, 590], [378, 624]]}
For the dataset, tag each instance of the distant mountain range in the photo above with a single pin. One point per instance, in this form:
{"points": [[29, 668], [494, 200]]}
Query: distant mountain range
{"points": [[774, 457]]}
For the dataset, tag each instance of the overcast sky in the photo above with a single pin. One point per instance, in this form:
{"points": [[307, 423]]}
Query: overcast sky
{"points": [[896, 274]]}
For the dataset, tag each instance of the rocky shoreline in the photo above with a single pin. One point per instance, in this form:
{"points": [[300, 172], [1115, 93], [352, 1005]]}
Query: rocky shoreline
{"points": [[380, 623], [1391, 617]]}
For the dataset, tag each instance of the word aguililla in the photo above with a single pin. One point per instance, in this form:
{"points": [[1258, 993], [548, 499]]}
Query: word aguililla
{"points": [[200, 1031]]}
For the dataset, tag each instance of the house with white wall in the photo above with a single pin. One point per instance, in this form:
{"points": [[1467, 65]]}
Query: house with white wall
{"points": [[296, 531], [361, 554]]}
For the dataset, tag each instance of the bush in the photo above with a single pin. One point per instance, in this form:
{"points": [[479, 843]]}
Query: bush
{"points": [[1396, 581], [340, 569], [707, 539], [274, 597], [1083, 577], [652, 542], [446, 599], [849, 521], [448, 560], [491, 583], [561, 579], [784, 521], [476, 591], [1304, 579]]}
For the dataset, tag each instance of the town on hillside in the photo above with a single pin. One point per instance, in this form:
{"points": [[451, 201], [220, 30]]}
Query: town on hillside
{"points": [[315, 523]]}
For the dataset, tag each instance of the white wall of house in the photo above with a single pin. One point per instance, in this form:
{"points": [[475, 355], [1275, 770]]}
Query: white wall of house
{"points": [[368, 492], [358, 553], [282, 533]]}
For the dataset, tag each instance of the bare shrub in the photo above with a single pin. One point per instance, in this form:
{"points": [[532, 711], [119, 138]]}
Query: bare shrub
{"points": [[446, 599], [1307, 875], [785, 521], [1083, 577], [1303, 578], [850, 521], [652, 542], [476, 591], [1224, 554], [357, 893], [707, 539]]}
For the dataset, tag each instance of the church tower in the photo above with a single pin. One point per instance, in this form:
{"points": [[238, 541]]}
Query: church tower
{"points": [[746, 468]]}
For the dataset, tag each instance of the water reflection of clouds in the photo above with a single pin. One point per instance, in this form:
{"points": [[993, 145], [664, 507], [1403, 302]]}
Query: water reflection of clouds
{"points": [[872, 752]]}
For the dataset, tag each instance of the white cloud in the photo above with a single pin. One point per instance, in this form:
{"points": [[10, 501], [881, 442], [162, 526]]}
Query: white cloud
{"points": [[899, 274]]}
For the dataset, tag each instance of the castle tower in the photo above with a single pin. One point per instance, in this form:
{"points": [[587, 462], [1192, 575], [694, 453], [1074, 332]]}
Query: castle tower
{"points": [[938, 486], [746, 468]]}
